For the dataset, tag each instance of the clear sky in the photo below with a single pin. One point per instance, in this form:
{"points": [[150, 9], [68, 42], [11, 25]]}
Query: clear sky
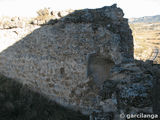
{"points": [[131, 8]]}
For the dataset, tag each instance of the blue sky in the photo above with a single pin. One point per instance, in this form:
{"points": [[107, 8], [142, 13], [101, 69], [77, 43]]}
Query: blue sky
{"points": [[131, 8]]}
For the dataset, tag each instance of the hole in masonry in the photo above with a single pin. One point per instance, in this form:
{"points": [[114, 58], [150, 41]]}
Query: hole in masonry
{"points": [[98, 68], [62, 71]]}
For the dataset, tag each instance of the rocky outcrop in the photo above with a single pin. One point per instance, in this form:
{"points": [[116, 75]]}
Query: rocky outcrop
{"points": [[83, 61]]}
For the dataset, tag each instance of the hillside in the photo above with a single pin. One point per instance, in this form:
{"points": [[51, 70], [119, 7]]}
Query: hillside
{"points": [[146, 19], [146, 41]]}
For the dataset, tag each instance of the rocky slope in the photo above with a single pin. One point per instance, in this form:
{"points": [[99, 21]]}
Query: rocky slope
{"points": [[83, 61]]}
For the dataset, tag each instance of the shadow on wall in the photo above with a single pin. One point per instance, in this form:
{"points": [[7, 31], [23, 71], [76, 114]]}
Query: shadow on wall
{"points": [[18, 99], [52, 59], [18, 102]]}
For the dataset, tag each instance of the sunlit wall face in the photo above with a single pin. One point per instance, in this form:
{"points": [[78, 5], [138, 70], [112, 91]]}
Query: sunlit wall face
{"points": [[131, 8]]}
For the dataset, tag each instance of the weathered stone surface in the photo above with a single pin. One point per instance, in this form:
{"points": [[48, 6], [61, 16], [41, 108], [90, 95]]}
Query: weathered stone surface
{"points": [[128, 90], [102, 116], [153, 69], [68, 61], [83, 61]]}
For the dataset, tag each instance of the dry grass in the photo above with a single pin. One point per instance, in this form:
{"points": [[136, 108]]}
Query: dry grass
{"points": [[146, 37]]}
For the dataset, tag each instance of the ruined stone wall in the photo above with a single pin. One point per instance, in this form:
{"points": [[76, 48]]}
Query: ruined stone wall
{"points": [[53, 60], [83, 61]]}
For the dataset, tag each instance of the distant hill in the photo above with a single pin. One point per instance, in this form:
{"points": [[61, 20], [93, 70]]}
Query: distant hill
{"points": [[146, 19]]}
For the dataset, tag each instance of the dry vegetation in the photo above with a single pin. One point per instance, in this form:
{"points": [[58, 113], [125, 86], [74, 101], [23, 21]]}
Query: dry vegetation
{"points": [[146, 38], [43, 14]]}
